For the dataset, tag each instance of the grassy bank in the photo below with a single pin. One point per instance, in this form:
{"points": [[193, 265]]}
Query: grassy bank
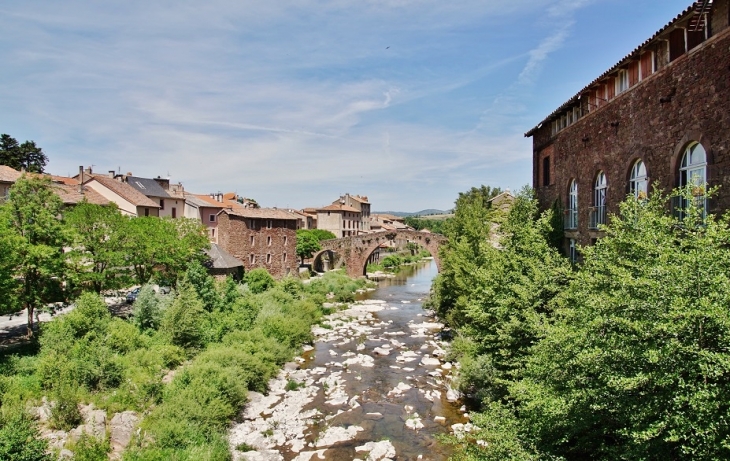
{"points": [[393, 261]]}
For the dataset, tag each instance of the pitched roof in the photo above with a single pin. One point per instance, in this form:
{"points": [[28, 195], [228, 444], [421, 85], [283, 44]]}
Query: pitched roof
{"points": [[125, 191], [8, 174], [622, 62], [200, 200], [260, 213], [339, 207], [221, 259], [361, 199], [71, 196], [147, 186]]}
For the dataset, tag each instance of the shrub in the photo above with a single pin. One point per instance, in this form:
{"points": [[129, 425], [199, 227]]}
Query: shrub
{"points": [[259, 280], [65, 413], [90, 448], [147, 314], [181, 322], [291, 331], [20, 439]]}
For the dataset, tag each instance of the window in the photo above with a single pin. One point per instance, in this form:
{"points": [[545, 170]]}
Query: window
{"points": [[252, 259], [211, 218], [639, 181], [162, 204], [268, 224], [286, 240], [268, 258], [212, 232], [146, 211], [268, 241], [572, 251], [622, 82], [174, 212], [693, 173], [546, 171], [598, 212], [571, 217], [284, 257], [252, 240]]}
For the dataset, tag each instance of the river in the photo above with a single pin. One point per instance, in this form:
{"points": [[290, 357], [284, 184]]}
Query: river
{"points": [[372, 387]]}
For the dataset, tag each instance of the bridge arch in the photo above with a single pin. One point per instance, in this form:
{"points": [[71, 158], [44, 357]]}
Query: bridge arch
{"points": [[355, 251]]}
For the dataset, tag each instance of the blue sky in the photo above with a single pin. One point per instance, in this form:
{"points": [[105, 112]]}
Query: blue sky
{"points": [[296, 102]]}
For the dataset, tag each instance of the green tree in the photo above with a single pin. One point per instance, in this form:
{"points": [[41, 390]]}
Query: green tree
{"points": [[162, 247], [321, 234], [20, 439], [259, 280], [307, 244], [147, 314], [99, 241], [26, 156], [204, 285], [636, 365], [32, 213]]}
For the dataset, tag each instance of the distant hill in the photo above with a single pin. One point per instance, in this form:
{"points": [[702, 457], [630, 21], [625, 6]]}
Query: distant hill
{"points": [[424, 213]]}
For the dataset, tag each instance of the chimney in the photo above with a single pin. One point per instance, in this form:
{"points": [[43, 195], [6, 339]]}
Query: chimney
{"points": [[111, 174], [81, 179], [88, 170]]}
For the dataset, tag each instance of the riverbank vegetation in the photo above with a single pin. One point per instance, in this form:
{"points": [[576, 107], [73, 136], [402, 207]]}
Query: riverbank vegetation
{"points": [[183, 361], [186, 359], [396, 259], [623, 356]]}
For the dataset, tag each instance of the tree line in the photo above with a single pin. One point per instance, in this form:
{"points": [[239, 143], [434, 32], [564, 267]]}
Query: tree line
{"points": [[622, 356], [49, 253]]}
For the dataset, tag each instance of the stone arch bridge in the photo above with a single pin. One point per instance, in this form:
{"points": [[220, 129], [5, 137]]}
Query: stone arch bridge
{"points": [[353, 252]]}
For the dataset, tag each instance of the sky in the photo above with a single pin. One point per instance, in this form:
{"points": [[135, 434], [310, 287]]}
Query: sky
{"points": [[294, 103]]}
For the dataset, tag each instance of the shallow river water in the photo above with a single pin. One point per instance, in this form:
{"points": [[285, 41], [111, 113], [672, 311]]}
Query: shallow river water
{"points": [[372, 388]]}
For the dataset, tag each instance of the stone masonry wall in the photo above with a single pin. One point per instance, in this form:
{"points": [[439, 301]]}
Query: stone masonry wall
{"points": [[655, 120], [273, 249]]}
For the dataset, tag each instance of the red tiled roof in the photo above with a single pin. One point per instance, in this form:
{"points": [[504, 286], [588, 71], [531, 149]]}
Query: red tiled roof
{"points": [[339, 207], [210, 201], [125, 191], [260, 213]]}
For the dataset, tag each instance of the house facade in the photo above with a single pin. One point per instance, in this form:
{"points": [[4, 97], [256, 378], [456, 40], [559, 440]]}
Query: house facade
{"points": [[361, 204], [660, 117], [260, 238], [340, 219]]}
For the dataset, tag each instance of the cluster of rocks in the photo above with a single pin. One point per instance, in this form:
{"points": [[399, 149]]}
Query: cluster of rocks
{"points": [[307, 420], [120, 429]]}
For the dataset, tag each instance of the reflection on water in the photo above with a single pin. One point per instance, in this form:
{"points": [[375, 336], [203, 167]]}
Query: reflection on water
{"points": [[404, 295]]}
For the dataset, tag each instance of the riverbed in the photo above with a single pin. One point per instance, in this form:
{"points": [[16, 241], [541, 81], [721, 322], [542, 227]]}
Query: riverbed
{"points": [[373, 387]]}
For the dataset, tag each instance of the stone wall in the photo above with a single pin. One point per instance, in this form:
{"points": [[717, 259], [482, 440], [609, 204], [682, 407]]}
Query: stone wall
{"points": [[688, 100], [273, 249]]}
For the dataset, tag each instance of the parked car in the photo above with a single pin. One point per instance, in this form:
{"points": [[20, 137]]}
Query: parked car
{"points": [[132, 296]]}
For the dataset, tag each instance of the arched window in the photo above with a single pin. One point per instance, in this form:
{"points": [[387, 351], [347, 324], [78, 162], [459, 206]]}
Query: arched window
{"points": [[639, 181], [571, 217], [693, 172], [598, 213], [694, 166]]}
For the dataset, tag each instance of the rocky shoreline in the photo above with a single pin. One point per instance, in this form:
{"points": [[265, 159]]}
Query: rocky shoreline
{"points": [[319, 408]]}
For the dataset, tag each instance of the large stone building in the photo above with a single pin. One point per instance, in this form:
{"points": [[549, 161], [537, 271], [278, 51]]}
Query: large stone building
{"points": [[659, 117], [260, 237], [348, 215]]}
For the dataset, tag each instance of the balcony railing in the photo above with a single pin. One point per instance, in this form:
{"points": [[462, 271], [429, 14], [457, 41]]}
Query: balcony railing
{"points": [[571, 219], [597, 216]]}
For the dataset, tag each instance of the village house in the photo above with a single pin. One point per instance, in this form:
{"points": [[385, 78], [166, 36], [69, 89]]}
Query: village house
{"points": [[130, 201], [657, 118], [68, 189], [361, 204], [342, 220], [260, 237], [170, 197]]}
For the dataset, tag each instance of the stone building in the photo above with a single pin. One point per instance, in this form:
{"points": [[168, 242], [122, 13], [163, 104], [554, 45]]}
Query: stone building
{"points": [[260, 237], [340, 219], [659, 117]]}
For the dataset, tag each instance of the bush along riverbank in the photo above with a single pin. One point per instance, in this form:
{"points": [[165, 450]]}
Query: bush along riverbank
{"points": [[165, 383], [393, 261]]}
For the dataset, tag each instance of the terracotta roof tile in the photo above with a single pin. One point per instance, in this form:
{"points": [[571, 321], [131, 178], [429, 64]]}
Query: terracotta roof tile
{"points": [[339, 207], [71, 196], [261, 213]]}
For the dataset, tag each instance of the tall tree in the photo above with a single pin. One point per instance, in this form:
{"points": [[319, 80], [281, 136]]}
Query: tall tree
{"points": [[307, 244], [98, 244], [26, 156], [32, 215]]}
